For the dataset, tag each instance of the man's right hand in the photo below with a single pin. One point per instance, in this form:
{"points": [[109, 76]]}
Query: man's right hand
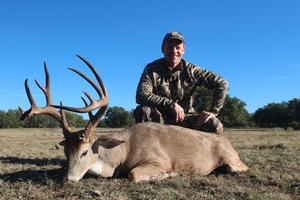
{"points": [[179, 113]]}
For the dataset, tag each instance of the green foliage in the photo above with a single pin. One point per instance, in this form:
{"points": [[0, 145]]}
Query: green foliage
{"points": [[117, 117], [2, 119], [102, 124], [202, 99], [9, 119], [75, 120], [40, 121], [285, 114], [233, 113]]}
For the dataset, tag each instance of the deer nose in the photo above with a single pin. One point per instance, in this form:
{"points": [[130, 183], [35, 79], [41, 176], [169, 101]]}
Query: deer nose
{"points": [[70, 179]]}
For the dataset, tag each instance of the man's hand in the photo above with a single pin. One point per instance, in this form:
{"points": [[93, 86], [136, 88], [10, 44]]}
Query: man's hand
{"points": [[179, 113], [204, 117]]}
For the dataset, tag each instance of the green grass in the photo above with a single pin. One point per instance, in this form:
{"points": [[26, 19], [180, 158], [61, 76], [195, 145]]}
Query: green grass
{"points": [[29, 162]]}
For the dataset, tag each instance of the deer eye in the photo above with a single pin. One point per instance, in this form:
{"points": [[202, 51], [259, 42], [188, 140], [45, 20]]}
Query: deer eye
{"points": [[84, 153]]}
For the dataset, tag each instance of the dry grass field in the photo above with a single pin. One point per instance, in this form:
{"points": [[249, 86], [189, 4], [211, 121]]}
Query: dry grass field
{"points": [[29, 161]]}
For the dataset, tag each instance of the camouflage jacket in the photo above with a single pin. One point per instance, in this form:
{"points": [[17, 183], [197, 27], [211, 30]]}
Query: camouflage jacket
{"points": [[159, 85]]}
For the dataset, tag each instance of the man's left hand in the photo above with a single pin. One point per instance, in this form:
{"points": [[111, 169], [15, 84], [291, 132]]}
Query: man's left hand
{"points": [[204, 117]]}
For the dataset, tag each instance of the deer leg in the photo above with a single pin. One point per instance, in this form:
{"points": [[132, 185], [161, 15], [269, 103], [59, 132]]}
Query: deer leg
{"points": [[148, 172], [241, 167], [235, 169]]}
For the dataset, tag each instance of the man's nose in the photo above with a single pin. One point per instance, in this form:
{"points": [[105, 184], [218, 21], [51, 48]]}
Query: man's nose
{"points": [[173, 50]]}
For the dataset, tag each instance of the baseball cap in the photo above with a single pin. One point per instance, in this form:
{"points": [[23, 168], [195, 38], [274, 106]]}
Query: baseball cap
{"points": [[173, 35]]}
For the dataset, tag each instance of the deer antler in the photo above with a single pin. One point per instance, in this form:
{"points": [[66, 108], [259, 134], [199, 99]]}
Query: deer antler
{"points": [[48, 109], [102, 103]]}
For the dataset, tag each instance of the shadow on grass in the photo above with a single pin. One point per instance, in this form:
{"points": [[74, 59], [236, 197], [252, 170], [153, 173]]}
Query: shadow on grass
{"points": [[37, 176], [36, 161]]}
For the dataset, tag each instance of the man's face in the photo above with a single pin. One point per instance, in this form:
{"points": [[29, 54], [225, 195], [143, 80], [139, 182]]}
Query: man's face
{"points": [[173, 51]]}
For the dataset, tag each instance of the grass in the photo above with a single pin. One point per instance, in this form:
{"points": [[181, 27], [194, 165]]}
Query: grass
{"points": [[29, 162]]}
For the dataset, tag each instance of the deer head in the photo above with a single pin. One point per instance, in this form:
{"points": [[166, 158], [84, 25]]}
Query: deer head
{"points": [[78, 145]]}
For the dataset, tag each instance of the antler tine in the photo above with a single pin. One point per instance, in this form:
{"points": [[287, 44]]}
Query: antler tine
{"points": [[29, 112], [102, 103], [46, 90], [86, 104], [95, 73], [94, 104], [35, 110]]}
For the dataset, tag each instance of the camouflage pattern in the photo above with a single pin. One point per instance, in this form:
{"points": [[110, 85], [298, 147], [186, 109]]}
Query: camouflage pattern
{"points": [[151, 114], [159, 85]]}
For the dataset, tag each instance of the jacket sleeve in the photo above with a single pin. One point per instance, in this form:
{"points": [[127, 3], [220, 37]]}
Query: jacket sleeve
{"points": [[214, 82], [144, 93]]}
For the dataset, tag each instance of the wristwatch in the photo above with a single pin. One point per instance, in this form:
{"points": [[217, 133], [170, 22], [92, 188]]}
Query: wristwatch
{"points": [[172, 105]]}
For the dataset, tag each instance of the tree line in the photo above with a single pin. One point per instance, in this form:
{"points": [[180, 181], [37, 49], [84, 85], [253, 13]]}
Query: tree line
{"points": [[233, 115]]}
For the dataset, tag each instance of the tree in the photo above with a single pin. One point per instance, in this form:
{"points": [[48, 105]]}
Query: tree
{"points": [[10, 120], [233, 113], [117, 117], [75, 120], [40, 121], [2, 119], [293, 113], [202, 99], [102, 124], [271, 115], [284, 114]]}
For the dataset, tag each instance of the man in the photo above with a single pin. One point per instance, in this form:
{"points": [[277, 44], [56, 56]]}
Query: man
{"points": [[166, 87]]}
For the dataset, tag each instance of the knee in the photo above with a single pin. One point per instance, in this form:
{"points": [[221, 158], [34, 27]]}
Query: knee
{"points": [[141, 110], [142, 114], [136, 176], [213, 125]]}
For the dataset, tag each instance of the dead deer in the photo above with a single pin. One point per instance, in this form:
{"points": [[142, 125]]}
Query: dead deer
{"points": [[142, 152]]}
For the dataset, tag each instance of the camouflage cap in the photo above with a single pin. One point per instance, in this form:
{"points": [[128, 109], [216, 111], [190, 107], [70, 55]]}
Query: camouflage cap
{"points": [[173, 35]]}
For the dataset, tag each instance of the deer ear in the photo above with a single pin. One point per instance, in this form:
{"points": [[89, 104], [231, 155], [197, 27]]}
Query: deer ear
{"points": [[108, 142], [62, 143]]}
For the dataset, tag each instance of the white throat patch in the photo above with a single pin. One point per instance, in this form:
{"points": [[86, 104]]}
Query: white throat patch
{"points": [[95, 169]]}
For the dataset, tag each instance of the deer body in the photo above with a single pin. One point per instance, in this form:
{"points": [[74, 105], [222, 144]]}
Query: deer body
{"points": [[145, 151], [149, 151]]}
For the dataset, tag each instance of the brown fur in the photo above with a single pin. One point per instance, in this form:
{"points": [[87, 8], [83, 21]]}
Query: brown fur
{"points": [[148, 151]]}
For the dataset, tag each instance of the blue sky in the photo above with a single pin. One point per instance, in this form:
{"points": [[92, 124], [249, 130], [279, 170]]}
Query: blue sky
{"points": [[253, 44]]}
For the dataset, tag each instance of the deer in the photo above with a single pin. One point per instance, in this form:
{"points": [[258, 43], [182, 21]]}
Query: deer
{"points": [[142, 152]]}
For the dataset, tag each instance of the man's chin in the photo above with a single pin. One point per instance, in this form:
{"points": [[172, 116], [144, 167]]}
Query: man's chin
{"points": [[174, 61]]}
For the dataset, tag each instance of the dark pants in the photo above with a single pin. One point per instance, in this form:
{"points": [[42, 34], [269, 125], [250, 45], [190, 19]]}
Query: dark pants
{"points": [[152, 114]]}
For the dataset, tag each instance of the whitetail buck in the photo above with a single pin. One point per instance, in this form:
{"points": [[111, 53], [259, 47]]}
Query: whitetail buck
{"points": [[145, 151]]}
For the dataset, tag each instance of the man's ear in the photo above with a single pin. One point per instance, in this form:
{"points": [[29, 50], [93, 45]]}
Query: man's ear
{"points": [[162, 48], [108, 142], [184, 48]]}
